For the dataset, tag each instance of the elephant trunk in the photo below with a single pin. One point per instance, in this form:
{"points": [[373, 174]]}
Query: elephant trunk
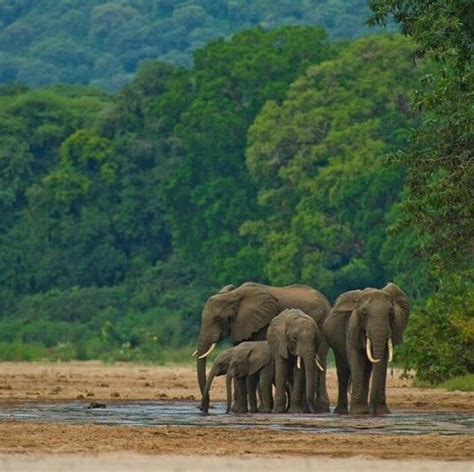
{"points": [[377, 387], [379, 345], [207, 387], [310, 376], [228, 388], [204, 347]]}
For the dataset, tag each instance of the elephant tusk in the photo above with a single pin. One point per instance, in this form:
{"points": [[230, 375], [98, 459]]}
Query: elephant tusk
{"points": [[194, 353], [368, 349], [298, 362], [208, 351], [390, 350], [320, 367]]}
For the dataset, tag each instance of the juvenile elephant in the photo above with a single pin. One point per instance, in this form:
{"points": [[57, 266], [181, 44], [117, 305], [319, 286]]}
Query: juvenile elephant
{"points": [[362, 329], [294, 339], [251, 364], [244, 313]]}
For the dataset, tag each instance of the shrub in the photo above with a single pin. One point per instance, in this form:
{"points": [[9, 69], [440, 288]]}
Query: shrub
{"points": [[440, 334]]}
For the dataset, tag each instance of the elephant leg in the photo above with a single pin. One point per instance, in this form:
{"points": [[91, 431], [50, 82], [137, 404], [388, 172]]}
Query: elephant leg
{"points": [[322, 397], [366, 380], [359, 402], [236, 396], [304, 403], [343, 377], [242, 403], [296, 403], [378, 399], [252, 383], [281, 375], [265, 388]]}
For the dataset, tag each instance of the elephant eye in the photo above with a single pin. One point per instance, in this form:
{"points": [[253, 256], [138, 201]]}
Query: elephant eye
{"points": [[363, 313]]}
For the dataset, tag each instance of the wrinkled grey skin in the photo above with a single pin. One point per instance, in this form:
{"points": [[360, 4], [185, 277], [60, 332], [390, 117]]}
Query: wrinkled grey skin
{"points": [[244, 313], [359, 315], [251, 365], [293, 333]]}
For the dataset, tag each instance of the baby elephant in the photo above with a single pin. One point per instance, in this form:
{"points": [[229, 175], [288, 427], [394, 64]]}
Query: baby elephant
{"points": [[250, 363], [252, 366], [294, 339]]}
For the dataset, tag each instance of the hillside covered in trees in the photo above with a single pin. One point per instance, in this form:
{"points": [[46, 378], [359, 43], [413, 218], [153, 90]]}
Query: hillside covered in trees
{"points": [[279, 157], [102, 43]]}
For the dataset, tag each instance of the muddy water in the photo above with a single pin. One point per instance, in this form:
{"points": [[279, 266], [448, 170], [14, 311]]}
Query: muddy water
{"points": [[158, 414]]}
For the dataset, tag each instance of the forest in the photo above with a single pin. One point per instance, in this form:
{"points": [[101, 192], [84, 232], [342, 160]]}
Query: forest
{"points": [[280, 155], [102, 43]]}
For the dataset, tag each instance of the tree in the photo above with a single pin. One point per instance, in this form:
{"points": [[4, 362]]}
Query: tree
{"points": [[437, 211], [440, 157], [209, 194], [317, 160]]}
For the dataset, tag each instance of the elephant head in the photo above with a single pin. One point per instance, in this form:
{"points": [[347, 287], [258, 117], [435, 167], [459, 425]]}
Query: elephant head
{"points": [[295, 333], [377, 320], [235, 312]]}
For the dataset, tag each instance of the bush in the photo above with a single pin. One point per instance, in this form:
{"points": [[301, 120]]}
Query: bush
{"points": [[440, 334]]}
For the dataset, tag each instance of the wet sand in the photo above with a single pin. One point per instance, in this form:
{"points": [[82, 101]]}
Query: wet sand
{"points": [[22, 383]]}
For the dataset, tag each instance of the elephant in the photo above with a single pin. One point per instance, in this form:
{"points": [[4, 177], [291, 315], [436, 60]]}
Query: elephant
{"points": [[243, 313], [294, 339], [251, 364], [362, 329]]}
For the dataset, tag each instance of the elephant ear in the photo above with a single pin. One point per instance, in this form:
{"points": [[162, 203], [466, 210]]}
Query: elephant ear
{"points": [[276, 335], [238, 366], [346, 306], [259, 357], [346, 303], [257, 307], [402, 310]]}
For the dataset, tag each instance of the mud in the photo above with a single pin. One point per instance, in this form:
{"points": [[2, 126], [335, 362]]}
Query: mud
{"points": [[160, 414], [152, 410]]}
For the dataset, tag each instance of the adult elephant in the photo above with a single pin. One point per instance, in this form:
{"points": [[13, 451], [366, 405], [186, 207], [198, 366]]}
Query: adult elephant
{"points": [[294, 340], [244, 313], [362, 329]]}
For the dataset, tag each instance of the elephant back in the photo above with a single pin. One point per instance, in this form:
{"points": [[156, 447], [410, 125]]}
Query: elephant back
{"points": [[249, 357]]}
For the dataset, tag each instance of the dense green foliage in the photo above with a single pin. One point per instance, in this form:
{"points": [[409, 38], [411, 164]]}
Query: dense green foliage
{"points": [[135, 216], [318, 162], [267, 160], [102, 43], [437, 211]]}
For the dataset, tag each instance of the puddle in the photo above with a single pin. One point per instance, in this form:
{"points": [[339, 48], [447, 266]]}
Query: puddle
{"points": [[158, 414]]}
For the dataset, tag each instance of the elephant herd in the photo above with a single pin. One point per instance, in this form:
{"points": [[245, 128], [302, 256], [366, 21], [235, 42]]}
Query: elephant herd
{"points": [[281, 337]]}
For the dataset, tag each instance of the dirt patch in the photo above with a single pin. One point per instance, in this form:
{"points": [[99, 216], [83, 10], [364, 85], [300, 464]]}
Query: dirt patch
{"points": [[92, 381], [60, 438]]}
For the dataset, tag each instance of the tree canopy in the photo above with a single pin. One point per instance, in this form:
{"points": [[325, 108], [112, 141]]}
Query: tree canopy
{"points": [[102, 43], [278, 156]]}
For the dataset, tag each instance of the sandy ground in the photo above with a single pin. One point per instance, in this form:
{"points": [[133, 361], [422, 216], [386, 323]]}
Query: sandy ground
{"points": [[90, 381], [140, 463], [94, 381]]}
